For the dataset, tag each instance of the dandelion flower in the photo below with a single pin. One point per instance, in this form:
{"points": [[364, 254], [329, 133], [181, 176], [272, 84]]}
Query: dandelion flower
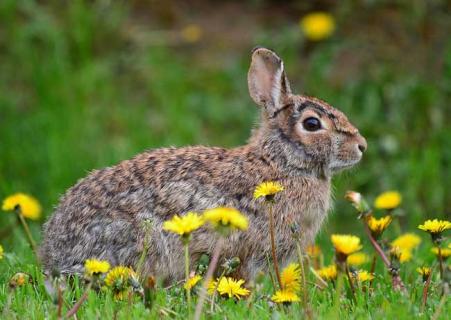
{"points": [[313, 251], [226, 217], [357, 201], [291, 277], [119, 279], [377, 226], [357, 259], [192, 281], [388, 200], [19, 279], [232, 288], [28, 205], [1, 252], [96, 267], [191, 33], [362, 275], [317, 25], [285, 296], [267, 190], [345, 244], [445, 252], [328, 273], [424, 272], [435, 226], [407, 241], [403, 255], [184, 225]]}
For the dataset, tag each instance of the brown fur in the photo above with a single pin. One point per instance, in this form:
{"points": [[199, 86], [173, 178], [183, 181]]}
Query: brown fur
{"points": [[102, 215]]}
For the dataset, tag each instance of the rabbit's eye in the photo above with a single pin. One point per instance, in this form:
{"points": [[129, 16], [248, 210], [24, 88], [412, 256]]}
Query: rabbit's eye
{"points": [[312, 124]]}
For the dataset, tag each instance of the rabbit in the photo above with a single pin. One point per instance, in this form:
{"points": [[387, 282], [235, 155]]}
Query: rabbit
{"points": [[300, 142]]}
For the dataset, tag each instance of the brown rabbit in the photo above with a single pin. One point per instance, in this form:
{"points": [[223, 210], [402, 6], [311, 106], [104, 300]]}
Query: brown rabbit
{"points": [[301, 142]]}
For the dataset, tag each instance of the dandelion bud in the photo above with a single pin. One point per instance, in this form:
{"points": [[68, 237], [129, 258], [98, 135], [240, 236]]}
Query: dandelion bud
{"points": [[357, 201]]}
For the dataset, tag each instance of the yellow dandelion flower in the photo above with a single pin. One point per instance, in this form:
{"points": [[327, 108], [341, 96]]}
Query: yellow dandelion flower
{"points": [[192, 281], [1, 252], [118, 278], [328, 273], [267, 190], [232, 288], [435, 226], [346, 244], [445, 252], [95, 267], [424, 272], [19, 279], [184, 225], [357, 259], [191, 33], [28, 205], [403, 255], [407, 241], [226, 217], [285, 296], [377, 226], [317, 25], [362, 275], [388, 200], [313, 251], [291, 277]]}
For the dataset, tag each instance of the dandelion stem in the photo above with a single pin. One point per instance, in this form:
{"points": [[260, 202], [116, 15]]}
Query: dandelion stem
{"points": [[188, 290], [396, 280], [60, 301], [208, 276], [373, 268], [270, 273], [351, 284], [440, 261], [442, 301], [28, 233], [273, 246], [214, 292], [78, 304], [425, 291], [304, 282]]}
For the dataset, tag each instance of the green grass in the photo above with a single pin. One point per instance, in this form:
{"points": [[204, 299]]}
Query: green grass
{"points": [[80, 90]]}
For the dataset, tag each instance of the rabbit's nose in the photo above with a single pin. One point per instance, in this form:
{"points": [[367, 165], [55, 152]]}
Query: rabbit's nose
{"points": [[361, 143]]}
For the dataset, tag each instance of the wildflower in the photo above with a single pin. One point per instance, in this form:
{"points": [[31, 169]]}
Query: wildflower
{"points": [[267, 190], [402, 255], [313, 251], [184, 225], [317, 25], [407, 241], [377, 226], [445, 252], [96, 267], [362, 275], [291, 277], [357, 259], [232, 288], [29, 207], [328, 273], [19, 279], [191, 33], [226, 217], [192, 281], [285, 296], [357, 201], [345, 245], [435, 228], [424, 272], [1, 252], [388, 200], [119, 279]]}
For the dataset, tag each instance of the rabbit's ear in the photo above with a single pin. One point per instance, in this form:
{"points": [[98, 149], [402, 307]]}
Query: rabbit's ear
{"points": [[268, 84]]}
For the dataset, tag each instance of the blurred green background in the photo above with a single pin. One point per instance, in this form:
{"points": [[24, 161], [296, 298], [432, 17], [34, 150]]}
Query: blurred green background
{"points": [[85, 84]]}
